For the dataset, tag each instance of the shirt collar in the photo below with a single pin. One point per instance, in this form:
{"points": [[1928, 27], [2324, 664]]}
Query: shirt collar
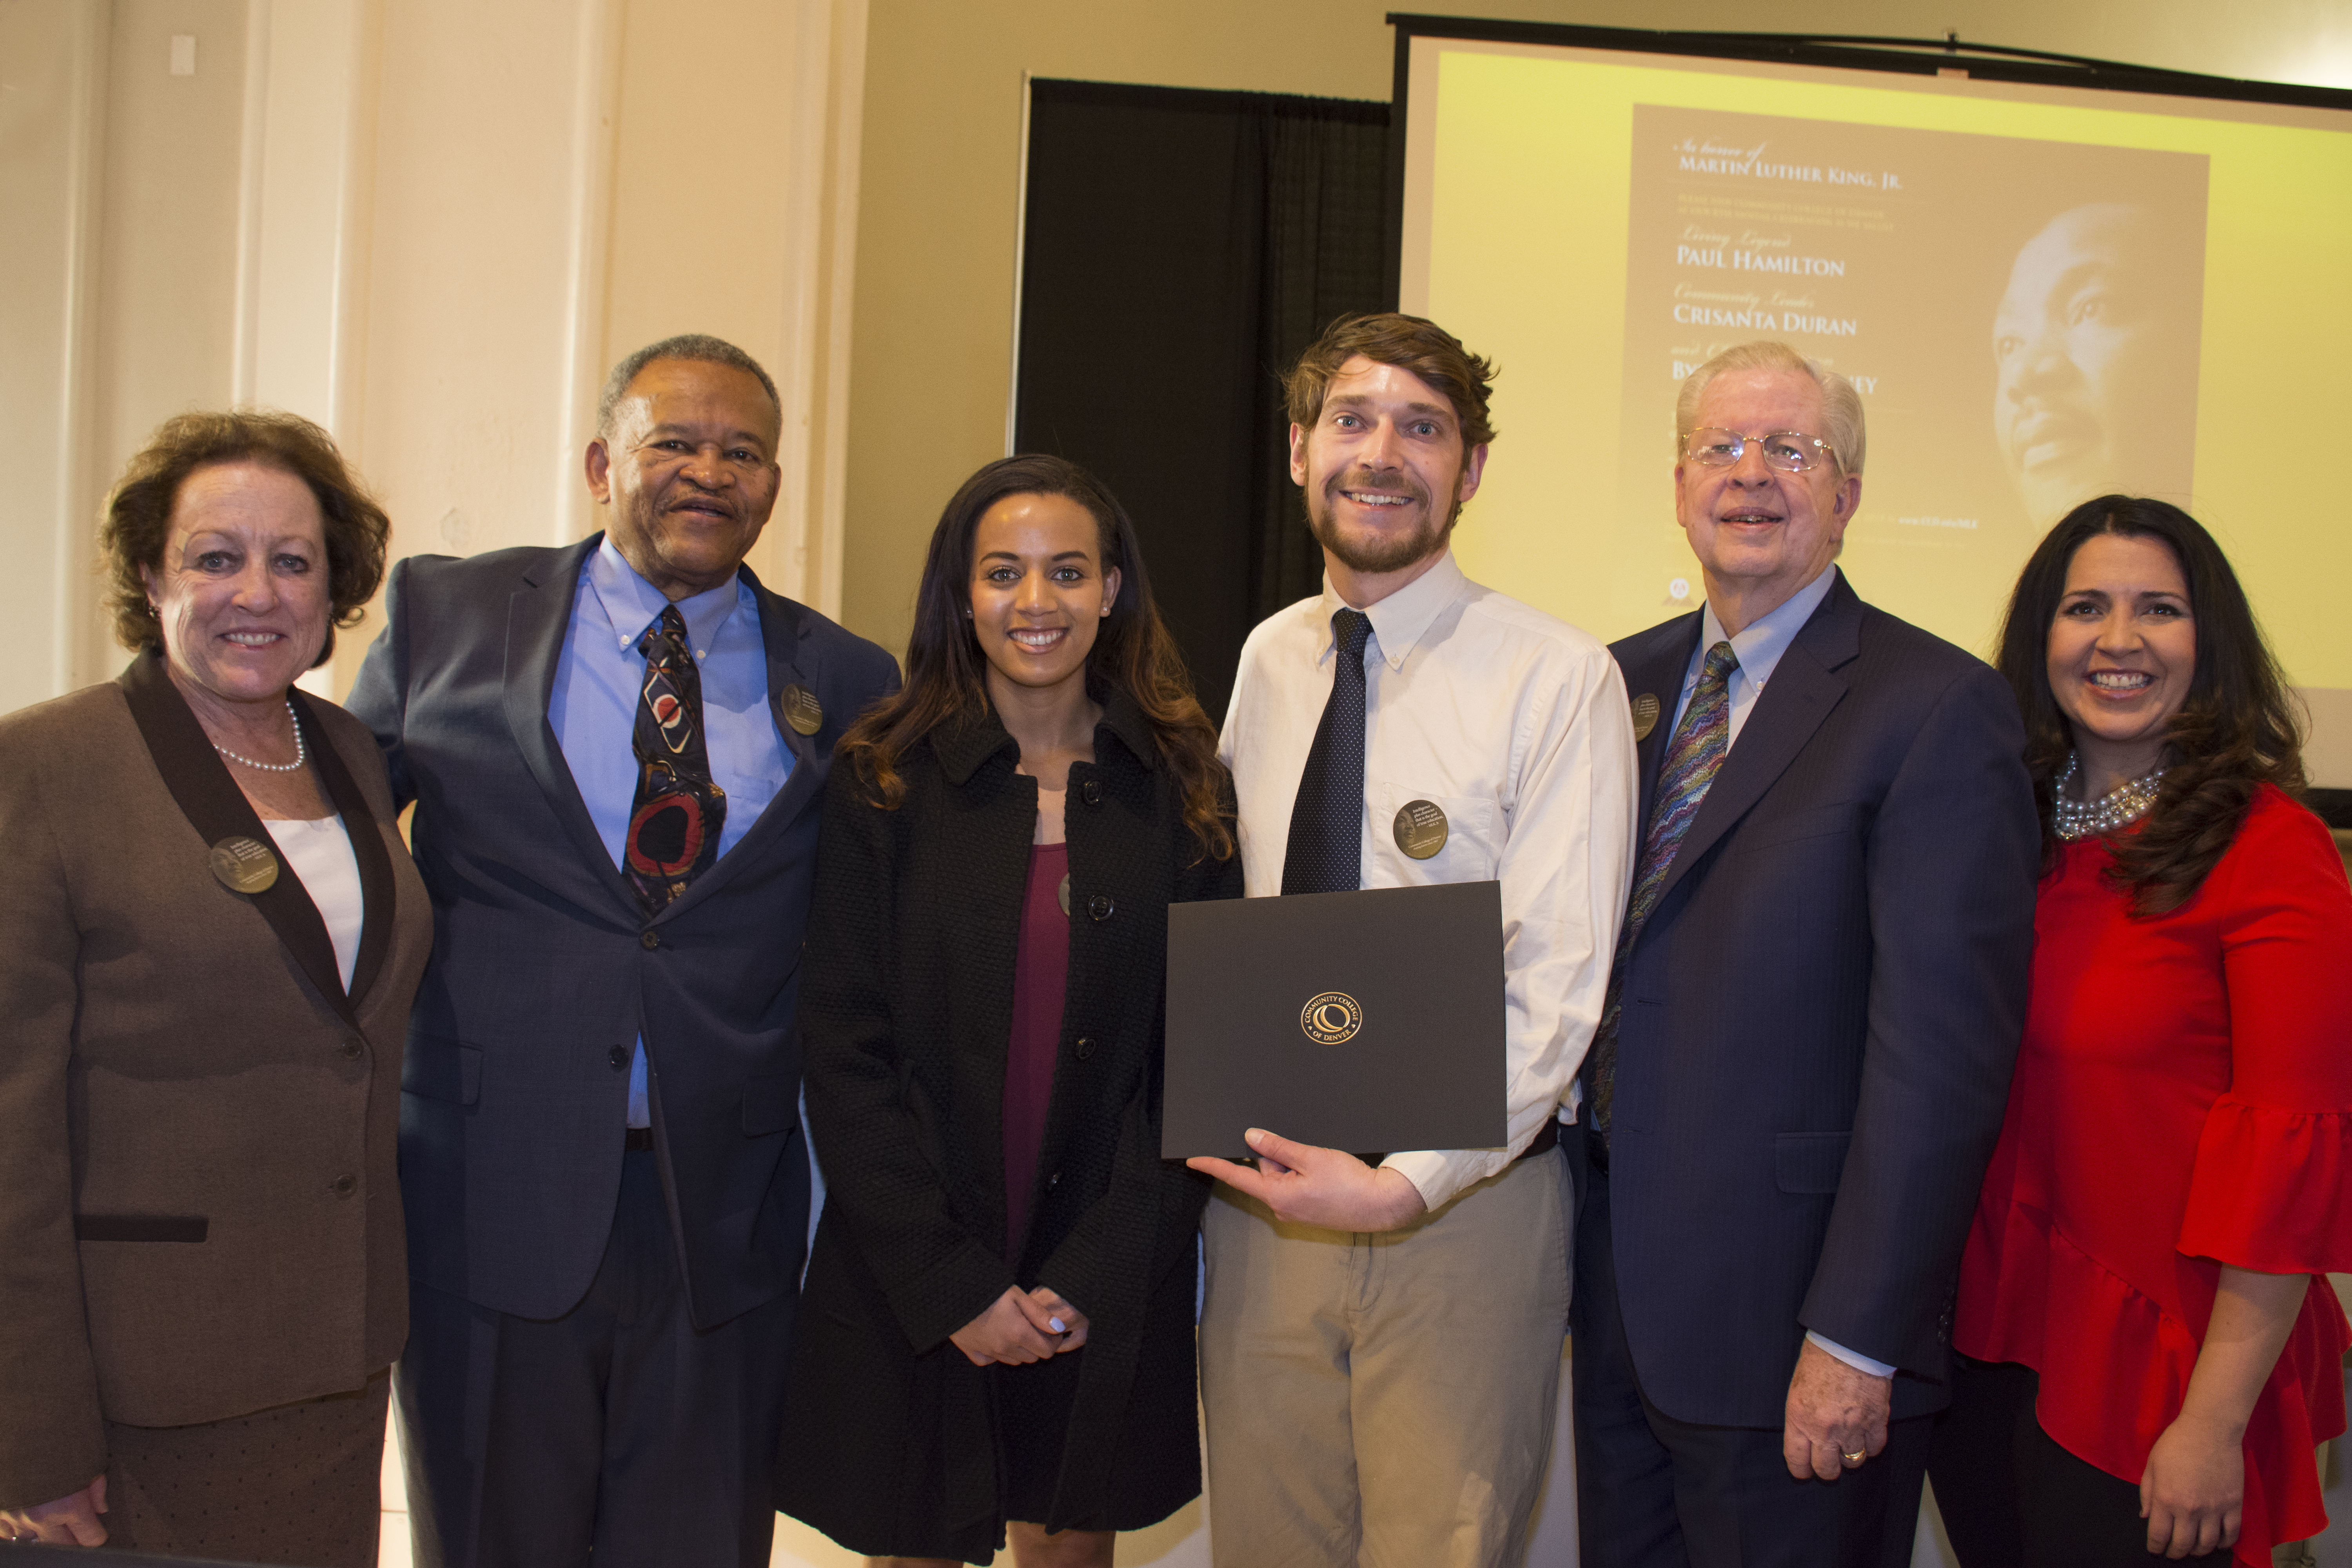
{"points": [[1760, 644], [1398, 620], [631, 604]]}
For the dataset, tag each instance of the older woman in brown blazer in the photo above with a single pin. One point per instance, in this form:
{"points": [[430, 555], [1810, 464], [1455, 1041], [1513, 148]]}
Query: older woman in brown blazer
{"points": [[209, 936]]}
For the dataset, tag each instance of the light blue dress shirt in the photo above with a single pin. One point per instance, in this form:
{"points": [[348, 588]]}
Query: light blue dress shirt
{"points": [[594, 709], [1760, 647]]}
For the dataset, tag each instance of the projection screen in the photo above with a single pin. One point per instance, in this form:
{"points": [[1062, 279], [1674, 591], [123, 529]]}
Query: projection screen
{"points": [[2044, 293]]}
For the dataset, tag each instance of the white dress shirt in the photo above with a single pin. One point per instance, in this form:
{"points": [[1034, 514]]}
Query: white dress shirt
{"points": [[1515, 725], [320, 851]]}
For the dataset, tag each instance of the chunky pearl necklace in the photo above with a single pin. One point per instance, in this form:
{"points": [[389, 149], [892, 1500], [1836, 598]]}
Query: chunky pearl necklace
{"points": [[301, 756], [2127, 804]]}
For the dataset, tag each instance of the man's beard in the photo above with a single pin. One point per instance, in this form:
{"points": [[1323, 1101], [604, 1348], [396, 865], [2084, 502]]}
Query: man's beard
{"points": [[1381, 552]]}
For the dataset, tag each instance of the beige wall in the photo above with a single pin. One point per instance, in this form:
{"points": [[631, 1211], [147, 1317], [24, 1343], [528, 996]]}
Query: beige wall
{"points": [[50, 88], [936, 227], [429, 224]]}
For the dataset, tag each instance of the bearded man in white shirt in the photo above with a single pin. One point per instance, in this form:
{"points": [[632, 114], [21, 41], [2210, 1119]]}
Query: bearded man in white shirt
{"points": [[1380, 1342]]}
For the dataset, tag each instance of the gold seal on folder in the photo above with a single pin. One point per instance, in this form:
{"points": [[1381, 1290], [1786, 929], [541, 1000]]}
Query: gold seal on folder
{"points": [[1331, 1018]]}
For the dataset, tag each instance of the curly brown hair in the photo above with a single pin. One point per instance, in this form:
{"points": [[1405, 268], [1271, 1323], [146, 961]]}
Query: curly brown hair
{"points": [[1133, 652], [1410, 342], [138, 518], [2236, 730]]}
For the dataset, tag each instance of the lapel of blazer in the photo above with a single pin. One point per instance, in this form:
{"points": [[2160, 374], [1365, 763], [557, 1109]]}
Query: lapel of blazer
{"points": [[1656, 668], [360, 825], [1803, 688], [538, 613], [217, 809], [780, 637]]}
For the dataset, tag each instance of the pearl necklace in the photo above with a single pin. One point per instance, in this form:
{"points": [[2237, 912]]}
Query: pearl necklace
{"points": [[301, 756], [2127, 804]]}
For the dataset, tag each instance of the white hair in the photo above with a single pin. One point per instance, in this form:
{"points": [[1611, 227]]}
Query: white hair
{"points": [[1841, 405]]}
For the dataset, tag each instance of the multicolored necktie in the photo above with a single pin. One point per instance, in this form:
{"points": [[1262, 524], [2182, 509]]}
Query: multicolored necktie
{"points": [[674, 822], [1693, 759], [1326, 852]]}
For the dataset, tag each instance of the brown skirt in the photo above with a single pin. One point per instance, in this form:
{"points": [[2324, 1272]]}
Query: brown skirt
{"points": [[296, 1484]]}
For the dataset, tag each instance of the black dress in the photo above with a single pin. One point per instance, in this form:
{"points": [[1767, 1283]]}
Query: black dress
{"points": [[894, 1443]]}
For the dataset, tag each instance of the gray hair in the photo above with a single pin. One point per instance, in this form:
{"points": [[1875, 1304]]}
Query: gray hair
{"points": [[698, 347], [1841, 405]]}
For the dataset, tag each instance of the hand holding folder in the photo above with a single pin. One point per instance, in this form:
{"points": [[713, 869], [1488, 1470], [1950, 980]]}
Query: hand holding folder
{"points": [[1367, 1020]]}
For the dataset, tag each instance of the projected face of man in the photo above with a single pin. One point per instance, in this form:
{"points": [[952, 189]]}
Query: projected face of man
{"points": [[2078, 404], [1385, 476], [1762, 533]]}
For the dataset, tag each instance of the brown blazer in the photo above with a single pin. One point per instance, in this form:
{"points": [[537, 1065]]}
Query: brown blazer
{"points": [[199, 1213]]}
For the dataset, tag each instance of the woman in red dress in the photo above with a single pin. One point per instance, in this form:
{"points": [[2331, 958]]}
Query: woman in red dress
{"points": [[2148, 1353]]}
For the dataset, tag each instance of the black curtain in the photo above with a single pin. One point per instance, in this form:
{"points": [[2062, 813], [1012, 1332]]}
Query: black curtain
{"points": [[1182, 249]]}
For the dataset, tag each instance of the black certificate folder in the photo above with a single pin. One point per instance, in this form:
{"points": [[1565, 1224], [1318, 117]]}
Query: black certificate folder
{"points": [[1369, 1021]]}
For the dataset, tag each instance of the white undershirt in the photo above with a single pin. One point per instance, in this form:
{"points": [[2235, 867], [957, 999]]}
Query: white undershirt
{"points": [[321, 852]]}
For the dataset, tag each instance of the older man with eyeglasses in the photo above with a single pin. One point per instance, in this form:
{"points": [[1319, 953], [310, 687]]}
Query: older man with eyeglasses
{"points": [[1802, 1061]]}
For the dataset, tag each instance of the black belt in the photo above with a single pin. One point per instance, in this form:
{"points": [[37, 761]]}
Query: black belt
{"points": [[638, 1139], [1546, 1139]]}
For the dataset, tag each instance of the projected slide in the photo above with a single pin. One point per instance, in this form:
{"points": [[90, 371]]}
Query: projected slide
{"points": [[2043, 294], [2022, 314]]}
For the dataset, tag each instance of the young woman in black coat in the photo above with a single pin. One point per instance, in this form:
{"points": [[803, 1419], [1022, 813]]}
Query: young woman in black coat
{"points": [[995, 1336]]}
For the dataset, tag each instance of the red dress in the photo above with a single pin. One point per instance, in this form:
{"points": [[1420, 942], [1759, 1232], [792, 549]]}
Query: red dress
{"points": [[1040, 975], [2183, 1098]]}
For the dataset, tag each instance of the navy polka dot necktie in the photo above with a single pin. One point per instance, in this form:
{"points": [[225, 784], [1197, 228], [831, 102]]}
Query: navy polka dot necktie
{"points": [[1325, 854]]}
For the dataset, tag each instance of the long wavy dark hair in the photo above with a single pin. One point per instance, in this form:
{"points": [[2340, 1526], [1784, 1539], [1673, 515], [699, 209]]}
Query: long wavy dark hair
{"points": [[2237, 731], [1133, 653]]}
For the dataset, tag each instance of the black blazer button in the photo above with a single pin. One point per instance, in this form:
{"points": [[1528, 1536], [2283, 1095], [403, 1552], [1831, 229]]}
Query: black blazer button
{"points": [[343, 1186], [1100, 906], [1085, 1048], [351, 1047], [649, 938], [619, 1056], [1093, 791], [1053, 1181]]}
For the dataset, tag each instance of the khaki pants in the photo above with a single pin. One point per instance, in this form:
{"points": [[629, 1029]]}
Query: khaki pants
{"points": [[1384, 1401]]}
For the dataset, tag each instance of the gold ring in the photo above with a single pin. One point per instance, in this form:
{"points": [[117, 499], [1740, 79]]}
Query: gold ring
{"points": [[1857, 1456]]}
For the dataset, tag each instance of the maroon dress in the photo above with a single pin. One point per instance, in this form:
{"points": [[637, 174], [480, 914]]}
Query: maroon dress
{"points": [[1040, 978]]}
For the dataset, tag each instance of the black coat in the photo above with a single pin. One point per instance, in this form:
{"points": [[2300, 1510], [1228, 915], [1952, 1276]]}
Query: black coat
{"points": [[894, 1442]]}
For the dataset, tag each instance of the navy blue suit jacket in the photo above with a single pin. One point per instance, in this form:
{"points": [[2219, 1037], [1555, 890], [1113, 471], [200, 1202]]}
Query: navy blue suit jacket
{"points": [[1821, 1015], [544, 971]]}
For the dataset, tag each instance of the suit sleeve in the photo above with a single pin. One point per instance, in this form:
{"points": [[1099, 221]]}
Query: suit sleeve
{"points": [[52, 1438], [1951, 861], [1093, 1262], [867, 1127], [380, 696]]}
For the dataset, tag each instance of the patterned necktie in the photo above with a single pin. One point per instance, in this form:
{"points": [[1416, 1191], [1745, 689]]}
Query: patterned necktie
{"points": [[675, 821], [1326, 853], [1693, 759]]}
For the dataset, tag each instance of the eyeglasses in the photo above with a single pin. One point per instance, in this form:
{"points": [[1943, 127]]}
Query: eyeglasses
{"points": [[1791, 452]]}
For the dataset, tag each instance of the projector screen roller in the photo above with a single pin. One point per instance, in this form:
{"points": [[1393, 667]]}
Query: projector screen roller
{"points": [[2043, 294]]}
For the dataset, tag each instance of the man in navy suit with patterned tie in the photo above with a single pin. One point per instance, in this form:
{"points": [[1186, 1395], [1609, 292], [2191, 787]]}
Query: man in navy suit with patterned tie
{"points": [[616, 749], [1805, 1050]]}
